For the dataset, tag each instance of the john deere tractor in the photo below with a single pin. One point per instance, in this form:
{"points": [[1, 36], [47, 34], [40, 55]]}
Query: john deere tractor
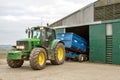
{"points": [[41, 45]]}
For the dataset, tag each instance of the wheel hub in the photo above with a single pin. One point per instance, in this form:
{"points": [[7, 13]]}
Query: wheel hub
{"points": [[60, 54], [41, 58]]}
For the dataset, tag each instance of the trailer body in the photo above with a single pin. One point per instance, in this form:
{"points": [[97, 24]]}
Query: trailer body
{"points": [[75, 45]]}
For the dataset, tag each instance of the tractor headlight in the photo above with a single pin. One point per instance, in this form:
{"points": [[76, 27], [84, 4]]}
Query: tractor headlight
{"points": [[20, 47]]}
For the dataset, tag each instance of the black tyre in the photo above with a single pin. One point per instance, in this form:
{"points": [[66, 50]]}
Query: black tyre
{"points": [[66, 58], [81, 58], [59, 54], [15, 63], [38, 58], [85, 57]]}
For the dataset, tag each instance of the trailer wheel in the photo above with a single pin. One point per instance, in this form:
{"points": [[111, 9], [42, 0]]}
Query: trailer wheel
{"points": [[81, 58], [66, 58], [59, 55], [85, 57], [38, 59], [15, 63]]}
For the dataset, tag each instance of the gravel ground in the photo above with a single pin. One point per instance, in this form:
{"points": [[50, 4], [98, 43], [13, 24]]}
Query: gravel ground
{"points": [[68, 71]]}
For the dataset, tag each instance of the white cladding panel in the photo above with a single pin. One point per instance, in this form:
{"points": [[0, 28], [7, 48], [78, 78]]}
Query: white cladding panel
{"points": [[85, 15]]}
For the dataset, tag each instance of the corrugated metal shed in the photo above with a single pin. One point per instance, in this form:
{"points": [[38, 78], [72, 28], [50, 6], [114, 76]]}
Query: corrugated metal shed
{"points": [[105, 42], [97, 43], [84, 15], [103, 38], [100, 3], [107, 12], [98, 11]]}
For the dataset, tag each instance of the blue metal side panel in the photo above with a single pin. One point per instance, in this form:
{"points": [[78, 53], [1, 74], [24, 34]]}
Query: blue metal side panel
{"points": [[73, 55], [66, 38], [73, 41], [79, 42]]}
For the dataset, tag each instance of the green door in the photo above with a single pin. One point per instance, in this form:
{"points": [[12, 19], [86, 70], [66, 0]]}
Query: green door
{"points": [[116, 43], [98, 43]]}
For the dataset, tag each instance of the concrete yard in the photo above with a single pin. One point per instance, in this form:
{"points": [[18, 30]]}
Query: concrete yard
{"points": [[68, 71]]}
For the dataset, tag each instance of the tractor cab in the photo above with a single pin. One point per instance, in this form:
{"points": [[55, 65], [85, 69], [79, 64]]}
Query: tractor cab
{"points": [[44, 34]]}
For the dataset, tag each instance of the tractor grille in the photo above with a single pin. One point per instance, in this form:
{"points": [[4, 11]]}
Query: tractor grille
{"points": [[23, 43]]}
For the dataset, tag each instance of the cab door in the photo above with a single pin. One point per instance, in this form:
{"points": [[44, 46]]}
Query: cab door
{"points": [[50, 36]]}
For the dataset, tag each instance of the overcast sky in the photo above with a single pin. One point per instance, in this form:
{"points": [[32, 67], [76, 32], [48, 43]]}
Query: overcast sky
{"points": [[17, 15]]}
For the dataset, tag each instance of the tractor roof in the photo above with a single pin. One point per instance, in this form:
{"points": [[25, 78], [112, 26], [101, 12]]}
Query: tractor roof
{"points": [[41, 27]]}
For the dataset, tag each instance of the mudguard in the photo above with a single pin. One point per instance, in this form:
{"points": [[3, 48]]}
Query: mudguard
{"points": [[54, 43], [51, 48], [15, 55]]}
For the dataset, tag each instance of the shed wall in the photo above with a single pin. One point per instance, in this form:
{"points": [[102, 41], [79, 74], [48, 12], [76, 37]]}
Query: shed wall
{"points": [[97, 43], [82, 16], [105, 42]]}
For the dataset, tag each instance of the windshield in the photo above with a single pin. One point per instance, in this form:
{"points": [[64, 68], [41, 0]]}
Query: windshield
{"points": [[36, 34]]}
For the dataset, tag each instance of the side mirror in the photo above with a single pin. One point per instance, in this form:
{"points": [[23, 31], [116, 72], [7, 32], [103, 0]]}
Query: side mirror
{"points": [[28, 31], [13, 46]]}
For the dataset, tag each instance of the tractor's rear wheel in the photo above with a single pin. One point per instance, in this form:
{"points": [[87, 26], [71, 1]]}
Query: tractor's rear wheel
{"points": [[15, 63], [38, 58], [59, 54]]}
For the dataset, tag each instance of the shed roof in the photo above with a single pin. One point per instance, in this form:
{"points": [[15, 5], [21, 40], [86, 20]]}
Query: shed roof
{"points": [[74, 12]]}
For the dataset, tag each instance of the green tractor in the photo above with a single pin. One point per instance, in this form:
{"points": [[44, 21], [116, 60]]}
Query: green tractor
{"points": [[41, 45]]}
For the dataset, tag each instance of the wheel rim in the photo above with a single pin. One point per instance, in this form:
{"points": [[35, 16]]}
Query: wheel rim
{"points": [[41, 58], [60, 54], [82, 58]]}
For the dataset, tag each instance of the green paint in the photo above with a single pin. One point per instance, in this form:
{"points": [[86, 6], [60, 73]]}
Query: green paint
{"points": [[29, 39], [111, 21], [98, 43], [52, 46], [32, 43], [116, 43], [54, 43], [15, 55]]}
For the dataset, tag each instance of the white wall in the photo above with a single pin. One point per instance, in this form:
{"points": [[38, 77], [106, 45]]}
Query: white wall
{"points": [[85, 15]]}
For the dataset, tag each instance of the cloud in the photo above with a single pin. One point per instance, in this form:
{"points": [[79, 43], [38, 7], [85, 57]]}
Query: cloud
{"points": [[17, 15], [39, 8]]}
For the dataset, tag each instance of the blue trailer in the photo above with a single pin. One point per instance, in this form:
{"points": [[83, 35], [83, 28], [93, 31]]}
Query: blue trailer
{"points": [[76, 46]]}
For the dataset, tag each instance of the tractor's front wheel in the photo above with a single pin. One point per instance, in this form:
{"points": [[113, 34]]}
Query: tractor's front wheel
{"points": [[15, 63], [59, 54], [38, 58]]}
